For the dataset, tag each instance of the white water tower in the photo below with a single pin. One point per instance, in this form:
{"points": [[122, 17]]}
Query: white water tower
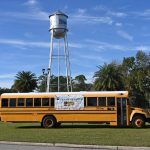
{"points": [[58, 30]]}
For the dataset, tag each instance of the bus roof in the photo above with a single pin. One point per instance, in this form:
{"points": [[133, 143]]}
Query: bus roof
{"points": [[84, 93]]}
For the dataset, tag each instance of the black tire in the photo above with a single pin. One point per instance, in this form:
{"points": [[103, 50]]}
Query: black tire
{"points": [[58, 124], [41, 124], [138, 122], [49, 122]]}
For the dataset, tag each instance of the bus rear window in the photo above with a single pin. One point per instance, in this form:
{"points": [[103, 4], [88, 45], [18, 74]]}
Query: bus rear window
{"points": [[4, 102]]}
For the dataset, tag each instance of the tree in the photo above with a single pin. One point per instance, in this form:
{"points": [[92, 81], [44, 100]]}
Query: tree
{"points": [[108, 77], [136, 72], [79, 83], [42, 83], [25, 82], [54, 83], [6, 90], [80, 79]]}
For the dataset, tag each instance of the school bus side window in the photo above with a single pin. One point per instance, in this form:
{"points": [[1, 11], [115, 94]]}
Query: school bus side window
{"points": [[102, 101], [52, 102], [12, 102], [20, 102], [37, 102], [111, 101], [45, 101], [5, 102], [29, 102], [92, 101], [84, 101]]}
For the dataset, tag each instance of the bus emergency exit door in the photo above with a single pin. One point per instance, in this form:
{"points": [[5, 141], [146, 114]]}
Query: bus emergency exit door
{"points": [[121, 112]]}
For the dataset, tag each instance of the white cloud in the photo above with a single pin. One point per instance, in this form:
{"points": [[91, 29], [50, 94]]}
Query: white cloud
{"points": [[82, 16], [143, 47], [28, 34], [145, 14], [6, 84], [125, 35], [81, 11], [75, 45], [88, 19], [39, 15], [146, 34], [65, 7], [100, 8], [34, 12], [31, 2], [93, 57], [99, 45], [89, 77], [109, 12], [118, 24], [40, 44], [117, 14], [24, 43], [8, 76]]}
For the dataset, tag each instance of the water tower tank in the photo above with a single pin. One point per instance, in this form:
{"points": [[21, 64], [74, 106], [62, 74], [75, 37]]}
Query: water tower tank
{"points": [[58, 24]]}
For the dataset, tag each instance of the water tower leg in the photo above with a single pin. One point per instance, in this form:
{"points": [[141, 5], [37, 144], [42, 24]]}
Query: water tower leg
{"points": [[66, 62], [69, 70], [50, 64], [58, 65]]}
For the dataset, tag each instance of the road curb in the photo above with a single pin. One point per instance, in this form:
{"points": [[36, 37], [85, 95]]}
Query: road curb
{"points": [[75, 145], [27, 143], [85, 146]]}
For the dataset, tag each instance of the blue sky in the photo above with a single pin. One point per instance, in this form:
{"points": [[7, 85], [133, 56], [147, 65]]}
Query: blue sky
{"points": [[99, 31]]}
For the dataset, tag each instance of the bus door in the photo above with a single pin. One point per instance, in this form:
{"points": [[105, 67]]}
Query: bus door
{"points": [[121, 112]]}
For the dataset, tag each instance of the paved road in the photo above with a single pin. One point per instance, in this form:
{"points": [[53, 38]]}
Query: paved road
{"points": [[31, 147], [25, 147], [35, 147]]}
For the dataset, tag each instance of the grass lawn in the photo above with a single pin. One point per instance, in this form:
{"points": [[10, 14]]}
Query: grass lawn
{"points": [[76, 134]]}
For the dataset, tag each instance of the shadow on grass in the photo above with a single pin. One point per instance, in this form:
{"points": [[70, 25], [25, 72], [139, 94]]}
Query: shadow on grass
{"points": [[81, 126]]}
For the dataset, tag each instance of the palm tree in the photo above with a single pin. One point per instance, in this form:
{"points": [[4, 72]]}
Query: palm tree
{"points": [[25, 82], [79, 83], [108, 77], [80, 79]]}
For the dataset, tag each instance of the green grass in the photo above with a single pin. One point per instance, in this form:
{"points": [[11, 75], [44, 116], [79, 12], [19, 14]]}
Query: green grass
{"points": [[76, 134]]}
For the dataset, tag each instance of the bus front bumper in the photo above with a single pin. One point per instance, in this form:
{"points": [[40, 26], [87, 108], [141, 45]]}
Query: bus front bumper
{"points": [[148, 120]]}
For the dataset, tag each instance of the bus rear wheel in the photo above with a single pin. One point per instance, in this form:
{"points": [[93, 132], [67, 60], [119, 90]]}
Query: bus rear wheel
{"points": [[49, 122], [138, 122]]}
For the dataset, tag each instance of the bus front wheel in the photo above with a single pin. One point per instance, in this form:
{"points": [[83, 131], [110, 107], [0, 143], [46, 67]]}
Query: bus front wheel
{"points": [[49, 122], [138, 122]]}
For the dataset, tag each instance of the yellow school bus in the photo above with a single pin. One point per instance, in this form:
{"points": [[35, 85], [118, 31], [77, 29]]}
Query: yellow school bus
{"points": [[52, 109]]}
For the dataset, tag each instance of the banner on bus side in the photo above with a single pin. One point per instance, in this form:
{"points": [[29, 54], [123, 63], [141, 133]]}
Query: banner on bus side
{"points": [[69, 102]]}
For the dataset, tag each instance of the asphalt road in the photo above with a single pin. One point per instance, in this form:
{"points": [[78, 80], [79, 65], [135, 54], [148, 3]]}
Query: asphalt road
{"points": [[39, 147], [25, 147]]}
